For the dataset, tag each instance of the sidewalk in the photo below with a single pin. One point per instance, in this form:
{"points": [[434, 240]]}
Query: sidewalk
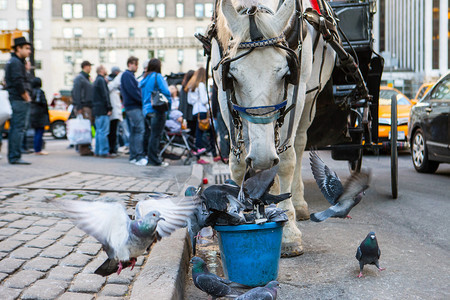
{"points": [[44, 256]]}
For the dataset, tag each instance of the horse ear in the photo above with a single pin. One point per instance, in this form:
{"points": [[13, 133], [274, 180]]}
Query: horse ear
{"points": [[283, 15], [230, 13]]}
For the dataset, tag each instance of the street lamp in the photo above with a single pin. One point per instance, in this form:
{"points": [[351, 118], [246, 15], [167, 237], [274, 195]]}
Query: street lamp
{"points": [[31, 37]]}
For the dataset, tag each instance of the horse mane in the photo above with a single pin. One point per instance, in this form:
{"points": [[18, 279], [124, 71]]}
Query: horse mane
{"points": [[262, 20]]}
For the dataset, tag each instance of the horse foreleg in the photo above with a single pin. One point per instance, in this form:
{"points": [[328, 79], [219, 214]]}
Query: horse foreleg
{"points": [[292, 236], [298, 189]]}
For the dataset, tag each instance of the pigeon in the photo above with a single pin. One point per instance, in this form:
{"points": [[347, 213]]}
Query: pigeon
{"points": [[368, 253], [342, 198], [275, 214], [124, 239], [210, 283], [267, 292]]}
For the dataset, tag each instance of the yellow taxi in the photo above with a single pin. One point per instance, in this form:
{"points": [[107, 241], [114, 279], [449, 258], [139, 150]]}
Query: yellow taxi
{"points": [[57, 126], [384, 114]]}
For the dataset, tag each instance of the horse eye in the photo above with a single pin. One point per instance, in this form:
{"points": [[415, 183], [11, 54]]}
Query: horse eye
{"points": [[154, 215]]}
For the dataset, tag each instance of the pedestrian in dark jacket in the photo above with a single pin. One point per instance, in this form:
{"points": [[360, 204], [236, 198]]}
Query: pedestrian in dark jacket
{"points": [[82, 93], [16, 82], [38, 115], [132, 101], [29, 89], [102, 110]]}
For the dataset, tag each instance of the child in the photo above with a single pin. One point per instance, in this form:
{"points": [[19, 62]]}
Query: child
{"points": [[38, 115]]}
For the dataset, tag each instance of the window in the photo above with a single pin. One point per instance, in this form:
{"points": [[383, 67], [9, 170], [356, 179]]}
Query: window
{"points": [[3, 4], [131, 52], [160, 32], [200, 29], [102, 32], [180, 31], [200, 56], [68, 79], [3, 24], [442, 90], [180, 56], [68, 57], [112, 56], [131, 8], [131, 32], [179, 10], [22, 24], [102, 56], [77, 32], [37, 44], [37, 24], [70, 11], [160, 10], [209, 8], [67, 33], [199, 10], [106, 11], [151, 32], [161, 55], [151, 54], [150, 10], [112, 32], [23, 4], [78, 54]]}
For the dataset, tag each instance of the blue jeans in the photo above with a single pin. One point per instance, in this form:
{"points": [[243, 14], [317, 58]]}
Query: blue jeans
{"points": [[136, 124], [101, 135], [38, 134], [199, 135], [156, 123], [18, 121]]}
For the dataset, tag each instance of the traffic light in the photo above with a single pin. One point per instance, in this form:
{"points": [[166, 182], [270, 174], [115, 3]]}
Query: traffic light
{"points": [[7, 37]]}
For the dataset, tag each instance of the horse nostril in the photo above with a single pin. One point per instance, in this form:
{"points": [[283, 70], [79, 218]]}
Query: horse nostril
{"points": [[248, 160], [276, 161]]}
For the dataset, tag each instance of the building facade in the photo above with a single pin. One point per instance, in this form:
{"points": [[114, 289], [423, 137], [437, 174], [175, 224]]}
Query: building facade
{"points": [[413, 37], [107, 32], [14, 15]]}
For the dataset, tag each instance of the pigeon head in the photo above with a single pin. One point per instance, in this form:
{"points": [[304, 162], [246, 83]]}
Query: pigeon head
{"points": [[230, 182], [273, 285], [371, 240], [198, 265], [147, 225], [372, 235]]}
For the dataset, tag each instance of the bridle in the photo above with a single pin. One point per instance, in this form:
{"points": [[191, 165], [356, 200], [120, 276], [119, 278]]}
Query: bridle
{"points": [[262, 114]]}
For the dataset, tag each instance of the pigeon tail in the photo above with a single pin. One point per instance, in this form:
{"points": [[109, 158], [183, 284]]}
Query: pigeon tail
{"points": [[321, 216], [110, 266]]}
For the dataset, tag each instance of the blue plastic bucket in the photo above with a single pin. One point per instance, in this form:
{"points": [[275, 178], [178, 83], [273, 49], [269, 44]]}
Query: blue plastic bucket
{"points": [[251, 253]]}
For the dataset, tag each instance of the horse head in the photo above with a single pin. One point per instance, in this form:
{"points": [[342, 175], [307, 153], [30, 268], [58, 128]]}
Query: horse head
{"points": [[258, 79]]}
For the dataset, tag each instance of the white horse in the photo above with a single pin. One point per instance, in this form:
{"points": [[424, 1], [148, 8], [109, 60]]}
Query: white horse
{"points": [[259, 80]]}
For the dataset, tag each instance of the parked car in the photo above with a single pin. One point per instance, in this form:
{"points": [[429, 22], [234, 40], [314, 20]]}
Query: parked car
{"points": [[384, 114], [57, 126], [430, 128], [424, 88]]}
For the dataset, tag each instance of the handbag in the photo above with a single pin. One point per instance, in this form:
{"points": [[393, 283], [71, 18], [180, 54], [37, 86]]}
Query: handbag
{"points": [[159, 102], [204, 124], [5, 107], [79, 131]]}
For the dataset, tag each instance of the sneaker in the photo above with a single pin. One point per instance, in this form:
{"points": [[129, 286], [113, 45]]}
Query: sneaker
{"points": [[217, 158], [133, 161], [41, 153], [141, 162], [202, 162], [164, 164], [199, 151]]}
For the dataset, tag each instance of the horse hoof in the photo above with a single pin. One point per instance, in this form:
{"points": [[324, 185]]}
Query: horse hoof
{"points": [[291, 249], [302, 214]]}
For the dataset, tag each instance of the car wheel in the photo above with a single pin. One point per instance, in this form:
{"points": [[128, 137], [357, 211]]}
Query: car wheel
{"points": [[58, 130], [420, 154]]}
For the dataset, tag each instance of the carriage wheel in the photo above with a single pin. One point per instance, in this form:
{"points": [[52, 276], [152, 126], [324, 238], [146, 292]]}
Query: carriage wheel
{"points": [[394, 149]]}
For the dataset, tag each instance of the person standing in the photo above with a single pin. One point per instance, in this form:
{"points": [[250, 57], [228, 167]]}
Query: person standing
{"points": [[29, 88], [82, 98], [185, 107], [38, 115], [153, 80], [198, 98], [101, 110], [116, 115], [132, 101], [16, 82]]}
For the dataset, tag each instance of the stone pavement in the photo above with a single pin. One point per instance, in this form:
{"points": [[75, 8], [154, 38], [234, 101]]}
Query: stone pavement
{"points": [[44, 256]]}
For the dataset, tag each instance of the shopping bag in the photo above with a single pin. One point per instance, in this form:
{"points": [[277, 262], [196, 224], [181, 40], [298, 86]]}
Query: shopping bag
{"points": [[79, 131], [5, 107]]}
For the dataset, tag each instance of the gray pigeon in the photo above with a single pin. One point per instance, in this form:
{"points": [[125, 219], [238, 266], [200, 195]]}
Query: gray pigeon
{"points": [[124, 239], [268, 292], [210, 283], [342, 198], [275, 214], [368, 253]]}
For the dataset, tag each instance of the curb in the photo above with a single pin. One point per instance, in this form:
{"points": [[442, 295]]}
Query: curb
{"points": [[164, 274]]}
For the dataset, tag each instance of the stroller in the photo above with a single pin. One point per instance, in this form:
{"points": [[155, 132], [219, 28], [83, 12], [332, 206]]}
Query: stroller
{"points": [[178, 139]]}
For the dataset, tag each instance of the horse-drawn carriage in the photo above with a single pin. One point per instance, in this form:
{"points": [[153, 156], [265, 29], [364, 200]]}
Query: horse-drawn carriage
{"points": [[294, 74]]}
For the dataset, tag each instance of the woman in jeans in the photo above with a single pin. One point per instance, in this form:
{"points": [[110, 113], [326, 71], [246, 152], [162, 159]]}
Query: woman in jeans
{"points": [[154, 119], [197, 97]]}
